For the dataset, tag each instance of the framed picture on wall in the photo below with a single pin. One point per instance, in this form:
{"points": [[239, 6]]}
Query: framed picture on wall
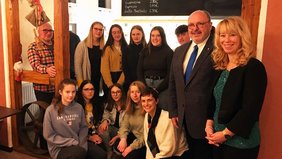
{"points": [[72, 1]]}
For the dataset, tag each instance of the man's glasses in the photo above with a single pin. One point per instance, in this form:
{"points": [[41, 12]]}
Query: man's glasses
{"points": [[47, 31], [198, 25], [88, 89]]}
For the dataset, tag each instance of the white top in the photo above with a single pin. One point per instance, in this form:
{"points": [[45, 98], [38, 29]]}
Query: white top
{"points": [[171, 141]]}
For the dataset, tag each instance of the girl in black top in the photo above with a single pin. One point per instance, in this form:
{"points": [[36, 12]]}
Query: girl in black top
{"points": [[87, 59], [154, 64], [93, 113], [131, 55]]}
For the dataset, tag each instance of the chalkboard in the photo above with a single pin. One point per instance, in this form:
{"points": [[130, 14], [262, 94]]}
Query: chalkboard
{"points": [[180, 7]]}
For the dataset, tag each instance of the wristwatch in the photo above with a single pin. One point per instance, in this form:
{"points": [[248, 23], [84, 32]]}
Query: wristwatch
{"points": [[227, 136]]}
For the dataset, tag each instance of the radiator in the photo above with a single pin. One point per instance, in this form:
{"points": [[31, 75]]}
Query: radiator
{"points": [[28, 96]]}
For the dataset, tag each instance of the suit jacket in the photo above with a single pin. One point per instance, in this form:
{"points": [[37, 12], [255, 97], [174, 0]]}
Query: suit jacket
{"points": [[192, 99]]}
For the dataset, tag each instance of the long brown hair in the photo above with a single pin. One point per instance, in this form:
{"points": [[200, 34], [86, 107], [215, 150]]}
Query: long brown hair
{"points": [[110, 40], [143, 40], [163, 37], [57, 101], [129, 102], [111, 102]]}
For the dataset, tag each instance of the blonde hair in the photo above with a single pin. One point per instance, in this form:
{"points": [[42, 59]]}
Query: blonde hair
{"points": [[89, 39], [233, 25]]}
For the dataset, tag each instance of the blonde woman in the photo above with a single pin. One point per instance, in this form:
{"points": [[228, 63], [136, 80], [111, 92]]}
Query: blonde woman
{"points": [[131, 135], [238, 93], [87, 61]]}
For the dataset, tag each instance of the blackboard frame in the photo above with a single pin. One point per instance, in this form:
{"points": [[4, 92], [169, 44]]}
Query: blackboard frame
{"points": [[217, 8]]}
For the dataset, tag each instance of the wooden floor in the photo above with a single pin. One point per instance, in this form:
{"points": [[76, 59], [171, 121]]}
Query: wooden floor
{"points": [[21, 153], [15, 155]]}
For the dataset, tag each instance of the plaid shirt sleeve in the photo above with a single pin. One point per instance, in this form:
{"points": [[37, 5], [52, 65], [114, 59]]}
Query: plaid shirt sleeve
{"points": [[40, 57]]}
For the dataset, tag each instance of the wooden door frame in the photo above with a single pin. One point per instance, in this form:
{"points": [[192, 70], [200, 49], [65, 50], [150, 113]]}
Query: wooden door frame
{"points": [[61, 51], [250, 12]]}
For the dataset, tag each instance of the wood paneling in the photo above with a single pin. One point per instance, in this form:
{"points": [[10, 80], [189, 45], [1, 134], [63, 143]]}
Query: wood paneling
{"points": [[250, 13], [2, 77], [3, 124], [14, 52]]}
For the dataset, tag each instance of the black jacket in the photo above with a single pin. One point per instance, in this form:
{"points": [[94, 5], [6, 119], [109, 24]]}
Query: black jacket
{"points": [[242, 97]]}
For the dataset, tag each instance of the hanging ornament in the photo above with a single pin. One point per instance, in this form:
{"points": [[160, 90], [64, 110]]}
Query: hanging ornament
{"points": [[37, 16]]}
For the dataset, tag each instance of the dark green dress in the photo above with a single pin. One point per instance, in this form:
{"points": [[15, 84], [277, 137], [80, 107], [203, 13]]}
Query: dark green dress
{"points": [[236, 141]]}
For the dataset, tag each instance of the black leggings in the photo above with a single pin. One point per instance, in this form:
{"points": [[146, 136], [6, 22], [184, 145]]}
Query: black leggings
{"points": [[44, 96], [228, 152], [72, 152], [134, 154]]}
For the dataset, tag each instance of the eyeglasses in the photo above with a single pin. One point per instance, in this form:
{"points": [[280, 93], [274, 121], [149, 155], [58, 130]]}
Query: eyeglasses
{"points": [[88, 89], [115, 93], [45, 31], [98, 29], [198, 25]]}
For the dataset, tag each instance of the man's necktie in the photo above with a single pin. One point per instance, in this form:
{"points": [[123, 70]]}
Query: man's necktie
{"points": [[191, 63]]}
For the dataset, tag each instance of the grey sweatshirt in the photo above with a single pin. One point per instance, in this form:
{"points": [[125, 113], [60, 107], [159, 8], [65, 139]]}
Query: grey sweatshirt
{"points": [[66, 130]]}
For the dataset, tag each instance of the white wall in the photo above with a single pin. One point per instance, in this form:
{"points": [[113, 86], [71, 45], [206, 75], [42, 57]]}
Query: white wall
{"points": [[85, 12], [113, 15]]}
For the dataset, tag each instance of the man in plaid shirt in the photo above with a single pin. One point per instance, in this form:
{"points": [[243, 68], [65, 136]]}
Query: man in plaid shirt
{"points": [[41, 58]]}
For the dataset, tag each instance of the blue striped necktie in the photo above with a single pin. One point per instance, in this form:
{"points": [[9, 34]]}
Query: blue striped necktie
{"points": [[191, 63]]}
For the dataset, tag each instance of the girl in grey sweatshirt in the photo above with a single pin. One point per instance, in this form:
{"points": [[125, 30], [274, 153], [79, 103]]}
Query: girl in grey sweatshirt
{"points": [[64, 125]]}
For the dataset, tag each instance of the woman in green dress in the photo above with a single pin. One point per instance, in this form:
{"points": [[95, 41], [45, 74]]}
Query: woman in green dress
{"points": [[233, 124]]}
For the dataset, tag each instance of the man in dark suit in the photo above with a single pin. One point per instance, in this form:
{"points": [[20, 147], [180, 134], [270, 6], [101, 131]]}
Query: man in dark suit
{"points": [[74, 40], [190, 97]]}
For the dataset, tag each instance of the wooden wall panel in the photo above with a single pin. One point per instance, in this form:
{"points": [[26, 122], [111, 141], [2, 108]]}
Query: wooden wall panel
{"points": [[61, 37], [2, 78], [3, 130], [14, 52], [271, 118], [251, 13]]}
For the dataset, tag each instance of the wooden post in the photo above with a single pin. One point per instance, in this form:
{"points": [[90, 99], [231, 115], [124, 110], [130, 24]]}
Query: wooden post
{"points": [[14, 54], [61, 50], [250, 13], [61, 37]]}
